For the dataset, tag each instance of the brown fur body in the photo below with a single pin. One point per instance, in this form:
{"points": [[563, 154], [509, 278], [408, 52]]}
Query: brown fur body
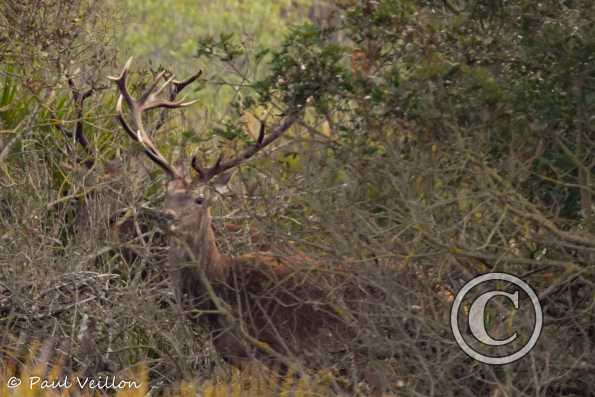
{"points": [[274, 297]]}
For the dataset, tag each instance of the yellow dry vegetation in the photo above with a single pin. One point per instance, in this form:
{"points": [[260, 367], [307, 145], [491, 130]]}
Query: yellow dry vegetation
{"points": [[38, 378]]}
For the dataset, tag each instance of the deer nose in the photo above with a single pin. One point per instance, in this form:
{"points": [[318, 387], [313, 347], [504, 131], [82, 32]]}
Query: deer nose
{"points": [[169, 215], [169, 220]]}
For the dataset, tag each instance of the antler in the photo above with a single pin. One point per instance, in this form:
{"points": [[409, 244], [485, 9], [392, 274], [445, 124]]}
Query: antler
{"points": [[261, 142], [176, 87], [149, 100]]}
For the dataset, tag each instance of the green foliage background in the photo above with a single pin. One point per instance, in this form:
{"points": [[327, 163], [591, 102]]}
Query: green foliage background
{"points": [[166, 32]]}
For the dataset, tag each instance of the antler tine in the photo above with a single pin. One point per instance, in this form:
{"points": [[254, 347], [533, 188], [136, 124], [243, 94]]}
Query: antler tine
{"points": [[261, 134], [197, 168], [261, 142], [164, 85], [125, 125], [151, 100], [150, 92], [180, 85], [121, 83], [211, 172], [156, 102], [162, 103]]}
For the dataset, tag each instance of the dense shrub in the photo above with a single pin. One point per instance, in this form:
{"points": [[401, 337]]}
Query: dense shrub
{"points": [[439, 140]]}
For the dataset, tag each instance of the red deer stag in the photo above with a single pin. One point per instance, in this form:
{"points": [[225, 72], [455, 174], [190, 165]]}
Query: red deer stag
{"points": [[257, 304]]}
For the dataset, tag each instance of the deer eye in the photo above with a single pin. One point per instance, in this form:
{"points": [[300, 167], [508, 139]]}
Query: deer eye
{"points": [[199, 200]]}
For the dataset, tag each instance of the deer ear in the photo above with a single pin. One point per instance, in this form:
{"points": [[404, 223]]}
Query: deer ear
{"points": [[221, 182]]}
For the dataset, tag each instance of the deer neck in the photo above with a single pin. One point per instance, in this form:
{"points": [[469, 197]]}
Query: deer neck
{"points": [[197, 240], [213, 262]]}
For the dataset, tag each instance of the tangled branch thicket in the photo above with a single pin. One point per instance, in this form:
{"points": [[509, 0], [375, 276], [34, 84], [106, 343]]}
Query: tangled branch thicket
{"points": [[440, 141]]}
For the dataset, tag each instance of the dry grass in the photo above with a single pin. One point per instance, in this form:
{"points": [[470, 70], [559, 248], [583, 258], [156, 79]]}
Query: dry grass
{"points": [[39, 376]]}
